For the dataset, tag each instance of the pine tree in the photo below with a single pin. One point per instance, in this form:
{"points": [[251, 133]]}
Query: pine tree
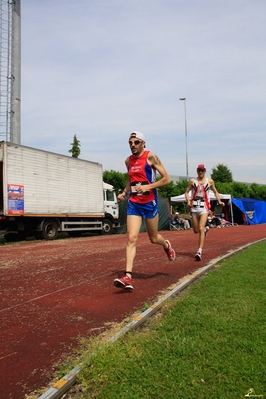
{"points": [[75, 150], [221, 173]]}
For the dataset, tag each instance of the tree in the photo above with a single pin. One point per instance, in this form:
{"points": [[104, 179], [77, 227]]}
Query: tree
{"points": [[258, 192], [240, 190], [117, 179], [221, 173], [167, 191], [262, 193], [235, 189], [181, 187], [75, 150], [224, 188]]}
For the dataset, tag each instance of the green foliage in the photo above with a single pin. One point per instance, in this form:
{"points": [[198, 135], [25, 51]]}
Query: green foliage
{"points": [[75, 149], [221, 173], [221, 176], [254, 190], [116, 179], [167, 191], [173, 189], [224, 188], [239, 190], [181, 187], [258, 192], [242, 190], [262, 193], [182, 207]]}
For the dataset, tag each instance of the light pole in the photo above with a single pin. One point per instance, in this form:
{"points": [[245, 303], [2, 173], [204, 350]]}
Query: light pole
{"points": [[184, 99]]}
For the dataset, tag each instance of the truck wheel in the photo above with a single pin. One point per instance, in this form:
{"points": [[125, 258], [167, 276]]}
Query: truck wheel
{"points": [[107, 227], [49, 229]]}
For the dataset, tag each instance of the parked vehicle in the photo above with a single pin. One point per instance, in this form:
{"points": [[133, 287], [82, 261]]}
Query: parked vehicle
{"points": [[44, 193]]}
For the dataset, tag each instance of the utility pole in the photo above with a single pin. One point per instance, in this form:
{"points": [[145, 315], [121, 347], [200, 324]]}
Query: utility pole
{"points": [[15, 132], [10, 71], [184, 99]]}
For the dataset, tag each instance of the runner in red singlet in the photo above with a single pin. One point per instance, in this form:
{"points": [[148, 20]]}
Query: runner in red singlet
{"points": [[142, 202], [199, 204]]}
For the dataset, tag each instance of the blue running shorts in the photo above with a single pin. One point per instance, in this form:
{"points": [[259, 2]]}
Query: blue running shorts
{"points": [[146, 211]]}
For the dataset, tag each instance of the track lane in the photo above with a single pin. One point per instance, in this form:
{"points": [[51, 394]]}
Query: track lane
{"points": [[52, 293]]}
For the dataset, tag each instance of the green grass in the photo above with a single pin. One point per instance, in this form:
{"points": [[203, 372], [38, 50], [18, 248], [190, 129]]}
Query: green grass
{"points": [[208, 344]]}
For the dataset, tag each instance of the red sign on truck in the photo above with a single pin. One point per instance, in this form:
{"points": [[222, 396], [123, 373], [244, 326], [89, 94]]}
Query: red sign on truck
{"points": [[15, 194]]}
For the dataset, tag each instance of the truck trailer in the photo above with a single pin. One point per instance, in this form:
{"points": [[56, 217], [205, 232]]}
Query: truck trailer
{"points": [[43, 193]]}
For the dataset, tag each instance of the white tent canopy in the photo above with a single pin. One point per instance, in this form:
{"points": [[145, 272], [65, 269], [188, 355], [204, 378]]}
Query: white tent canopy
{"points": [[182, 198]]}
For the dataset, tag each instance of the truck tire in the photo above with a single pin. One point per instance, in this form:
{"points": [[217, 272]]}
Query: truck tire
{"points": [[49, 229], [107, 227]]}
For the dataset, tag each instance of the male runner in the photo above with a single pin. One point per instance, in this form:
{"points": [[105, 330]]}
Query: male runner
{"points": [[199, 204], [142, 202]]}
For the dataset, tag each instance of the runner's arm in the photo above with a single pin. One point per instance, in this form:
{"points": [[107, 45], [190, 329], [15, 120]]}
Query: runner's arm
{"points": [[217, 195], [155, 162], [126, 190], [189, 188]]}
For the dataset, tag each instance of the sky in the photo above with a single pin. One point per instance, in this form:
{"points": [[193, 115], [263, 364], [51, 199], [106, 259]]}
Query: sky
{"points": [[101, 69]]}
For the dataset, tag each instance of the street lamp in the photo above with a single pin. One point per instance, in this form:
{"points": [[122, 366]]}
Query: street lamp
{"points": [[184, 99]]}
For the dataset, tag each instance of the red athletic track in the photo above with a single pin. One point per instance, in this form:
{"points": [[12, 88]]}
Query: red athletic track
{"points": [[53, 292]]}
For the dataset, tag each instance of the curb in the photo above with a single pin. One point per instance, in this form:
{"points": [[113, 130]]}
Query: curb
{"points": [[63, 385]]}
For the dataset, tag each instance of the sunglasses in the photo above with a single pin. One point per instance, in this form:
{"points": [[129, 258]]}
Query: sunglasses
{"points": [[201, 170], [134, 142]]}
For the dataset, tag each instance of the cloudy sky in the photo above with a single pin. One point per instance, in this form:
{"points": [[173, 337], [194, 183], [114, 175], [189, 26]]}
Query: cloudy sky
{"points": [[103, 68]]}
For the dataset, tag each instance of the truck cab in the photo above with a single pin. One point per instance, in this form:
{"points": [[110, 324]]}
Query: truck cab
{"points": [[111, 208]]}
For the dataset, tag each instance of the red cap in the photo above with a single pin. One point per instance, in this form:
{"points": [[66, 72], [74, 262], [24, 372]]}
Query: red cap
{"points": [[201, 166]]}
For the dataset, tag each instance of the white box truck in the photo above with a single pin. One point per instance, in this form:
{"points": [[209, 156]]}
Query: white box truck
{"points": [[43, 193]]}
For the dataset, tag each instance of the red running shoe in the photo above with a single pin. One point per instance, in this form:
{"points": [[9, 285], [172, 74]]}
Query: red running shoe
{"points": [[170, 251], [124, 282]]}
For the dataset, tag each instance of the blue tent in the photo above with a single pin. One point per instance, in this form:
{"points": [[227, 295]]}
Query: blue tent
{"points": [[253, 210]]}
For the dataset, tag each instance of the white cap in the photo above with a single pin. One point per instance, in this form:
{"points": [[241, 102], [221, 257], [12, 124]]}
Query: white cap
{"points": [[177, 213], [137, 135]]}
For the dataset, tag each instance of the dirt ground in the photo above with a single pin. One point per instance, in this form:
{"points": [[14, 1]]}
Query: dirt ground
{"points": [[55, 292]]}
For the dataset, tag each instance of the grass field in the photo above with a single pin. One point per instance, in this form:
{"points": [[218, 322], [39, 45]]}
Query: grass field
{"points": [[208, 344]]}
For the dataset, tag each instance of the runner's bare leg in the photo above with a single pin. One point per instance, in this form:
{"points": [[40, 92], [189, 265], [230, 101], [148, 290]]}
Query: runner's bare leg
{"points": [[133, 228]]}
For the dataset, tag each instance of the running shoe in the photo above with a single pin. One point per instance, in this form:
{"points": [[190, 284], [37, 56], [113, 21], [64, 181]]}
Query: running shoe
{"points": [[124, 282], [198, 255], [170, 251], [206, 230]]}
